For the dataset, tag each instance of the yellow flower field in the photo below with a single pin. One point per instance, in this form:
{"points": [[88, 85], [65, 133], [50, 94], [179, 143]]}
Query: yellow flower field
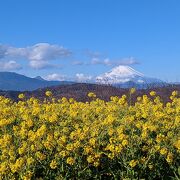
{"points": [[66, 139]]}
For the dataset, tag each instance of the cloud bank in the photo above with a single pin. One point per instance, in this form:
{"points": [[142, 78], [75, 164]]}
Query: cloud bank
{"points": [[9, 66], [108, 62], [38, 55], [79, 77], [55, 77]]}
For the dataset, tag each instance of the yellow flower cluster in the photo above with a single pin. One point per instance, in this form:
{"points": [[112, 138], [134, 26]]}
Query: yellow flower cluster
{"points": [[98, 139]]}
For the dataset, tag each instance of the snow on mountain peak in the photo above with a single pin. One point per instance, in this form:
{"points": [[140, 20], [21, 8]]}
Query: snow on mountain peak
{"points": [[119, 74], [125, 71]]}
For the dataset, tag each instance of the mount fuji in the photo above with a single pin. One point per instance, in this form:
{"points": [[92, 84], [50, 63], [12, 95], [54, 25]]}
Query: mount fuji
{"points": [[126, 77]]}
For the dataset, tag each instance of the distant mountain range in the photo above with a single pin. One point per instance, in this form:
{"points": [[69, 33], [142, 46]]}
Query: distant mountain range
{"points": [[16, 82], [120, 76]]}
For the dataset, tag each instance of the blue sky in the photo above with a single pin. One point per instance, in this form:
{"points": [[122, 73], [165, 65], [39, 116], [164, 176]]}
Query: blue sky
{"points": [[84, 38]]}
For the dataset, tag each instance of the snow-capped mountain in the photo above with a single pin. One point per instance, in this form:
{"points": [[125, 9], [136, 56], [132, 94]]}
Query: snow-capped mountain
{"points": [[126, 76]]}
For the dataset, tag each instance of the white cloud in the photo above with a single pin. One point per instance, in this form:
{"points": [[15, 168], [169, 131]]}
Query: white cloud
{"points": [[128, 61], [108, 62], [9, 66], [40, 64], [45, 51], [38, 55], [3, 50], [37, 52], [96, 61], [15, 53], [80, 77], [55, 77]]}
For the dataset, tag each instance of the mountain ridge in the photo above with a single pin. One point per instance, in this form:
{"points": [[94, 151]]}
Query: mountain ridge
{"points": [[120, 76], [17, 82]]}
